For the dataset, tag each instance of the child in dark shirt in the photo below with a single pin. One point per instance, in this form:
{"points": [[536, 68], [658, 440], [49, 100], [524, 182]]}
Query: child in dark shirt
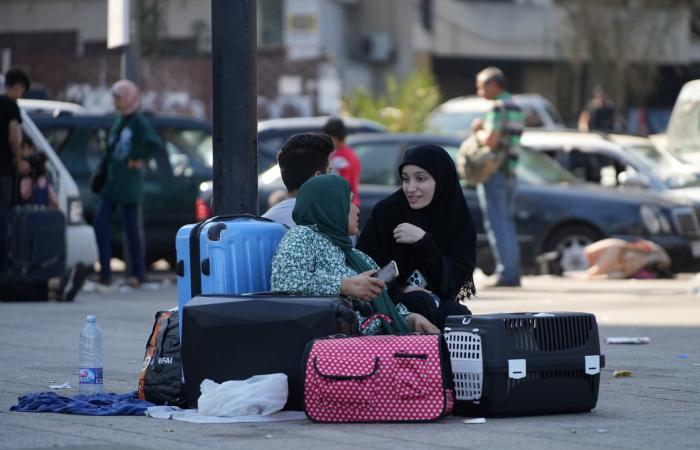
{"points": [[35, 188]]}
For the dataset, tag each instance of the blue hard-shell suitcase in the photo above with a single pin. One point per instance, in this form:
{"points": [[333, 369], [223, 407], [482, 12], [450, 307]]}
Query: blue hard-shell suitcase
{"points": [[225, 255]]}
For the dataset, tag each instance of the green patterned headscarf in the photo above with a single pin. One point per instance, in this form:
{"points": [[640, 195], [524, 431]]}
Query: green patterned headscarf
{"points": [[324, 201]]}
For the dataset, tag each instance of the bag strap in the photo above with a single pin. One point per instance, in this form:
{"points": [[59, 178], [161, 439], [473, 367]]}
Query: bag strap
{"points": [[378, 316], [502, 136]]}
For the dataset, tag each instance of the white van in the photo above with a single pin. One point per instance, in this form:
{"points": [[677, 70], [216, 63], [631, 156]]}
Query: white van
{"points": [[81, 245], [683, 134]]}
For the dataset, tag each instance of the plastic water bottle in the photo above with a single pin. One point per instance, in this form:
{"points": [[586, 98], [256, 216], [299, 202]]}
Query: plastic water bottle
{"points": [[90, 373]]}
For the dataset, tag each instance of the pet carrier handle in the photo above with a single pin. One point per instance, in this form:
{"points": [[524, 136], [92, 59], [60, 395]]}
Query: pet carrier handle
{"points": [[592, 364]]}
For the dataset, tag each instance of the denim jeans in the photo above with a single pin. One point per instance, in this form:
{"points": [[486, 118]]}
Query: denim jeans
{"points": [[497, 202], [102, 225]]}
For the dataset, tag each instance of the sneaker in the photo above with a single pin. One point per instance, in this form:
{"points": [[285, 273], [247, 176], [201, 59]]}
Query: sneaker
{"points": [[76, 278]]}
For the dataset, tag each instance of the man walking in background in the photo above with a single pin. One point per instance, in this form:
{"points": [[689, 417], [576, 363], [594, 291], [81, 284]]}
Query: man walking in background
{"points": [[344, 162], [599, 114], [500, 131]]}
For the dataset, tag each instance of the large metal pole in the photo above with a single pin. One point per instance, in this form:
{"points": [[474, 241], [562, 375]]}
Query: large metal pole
{"points": [[234, 105], [131, 52]]}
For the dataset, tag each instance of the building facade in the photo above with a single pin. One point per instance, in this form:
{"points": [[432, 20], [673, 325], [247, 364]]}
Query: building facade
{"points": [[313, 52]]}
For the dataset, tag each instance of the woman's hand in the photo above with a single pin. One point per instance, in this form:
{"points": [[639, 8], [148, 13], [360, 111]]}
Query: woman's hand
{"points": [[421, 324], [362, 286], [406, 233], [413, 288]]}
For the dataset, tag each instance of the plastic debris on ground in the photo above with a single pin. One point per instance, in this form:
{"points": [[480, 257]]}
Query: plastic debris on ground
{"points": [[601, 430], [695, 285], [622, 373], [628, 340], [257, 395], [192, 415], [475, 420], [65, 385]]}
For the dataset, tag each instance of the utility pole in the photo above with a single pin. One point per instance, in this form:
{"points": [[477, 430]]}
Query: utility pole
{"points": [[234, 106], [123, 33], [131, 52]]}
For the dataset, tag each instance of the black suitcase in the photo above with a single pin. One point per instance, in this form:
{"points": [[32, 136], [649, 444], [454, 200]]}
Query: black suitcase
{"points": [[36, 243], [524, 363], [235, 337]]}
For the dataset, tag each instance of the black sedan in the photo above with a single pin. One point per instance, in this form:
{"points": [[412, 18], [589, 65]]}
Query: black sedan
{"points": [[555, 212]]}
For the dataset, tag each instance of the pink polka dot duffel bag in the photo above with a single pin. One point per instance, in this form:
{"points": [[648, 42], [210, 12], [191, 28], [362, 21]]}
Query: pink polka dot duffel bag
{"points": [[386, 378]]}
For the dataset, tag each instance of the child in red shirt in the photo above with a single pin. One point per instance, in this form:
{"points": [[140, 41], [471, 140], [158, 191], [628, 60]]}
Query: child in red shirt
{"points": [[343, 160]]}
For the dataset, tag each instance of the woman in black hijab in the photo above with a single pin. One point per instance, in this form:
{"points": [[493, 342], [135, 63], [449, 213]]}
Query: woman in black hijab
{"points": [[427, 229]]}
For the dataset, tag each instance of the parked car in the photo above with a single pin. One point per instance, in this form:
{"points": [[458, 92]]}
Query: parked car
{"points": [[272, 133], [683, 132], [555, 211], [454, 117], [50, 108], [81, 245], [172, 181], [626, 162]]}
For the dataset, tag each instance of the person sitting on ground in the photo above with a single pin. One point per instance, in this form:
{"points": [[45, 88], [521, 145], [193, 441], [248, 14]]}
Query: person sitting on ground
{"points": [[35, 188], [316, 257], [301, 157], [427, 229]]}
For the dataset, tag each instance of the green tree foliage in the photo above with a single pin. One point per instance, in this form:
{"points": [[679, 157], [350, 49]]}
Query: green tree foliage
{"points": [[403, 108]]}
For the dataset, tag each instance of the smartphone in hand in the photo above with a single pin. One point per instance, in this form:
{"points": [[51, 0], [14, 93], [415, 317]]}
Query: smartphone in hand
{"points": [[388, 273]]}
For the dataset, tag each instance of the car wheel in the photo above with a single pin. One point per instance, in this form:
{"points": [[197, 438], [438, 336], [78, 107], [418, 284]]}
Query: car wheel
{"points": [[568, 245]]}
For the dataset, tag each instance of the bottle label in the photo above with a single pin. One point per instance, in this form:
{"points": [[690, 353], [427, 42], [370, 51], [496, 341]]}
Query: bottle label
{"points": [[90, 375]]}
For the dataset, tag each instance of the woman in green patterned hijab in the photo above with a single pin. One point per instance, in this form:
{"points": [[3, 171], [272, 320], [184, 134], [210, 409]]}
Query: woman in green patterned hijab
{"points": [[317, 258]]}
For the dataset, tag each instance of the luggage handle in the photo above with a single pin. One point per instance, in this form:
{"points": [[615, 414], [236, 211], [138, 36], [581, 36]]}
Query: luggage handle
{"points": [[347, 377], [195, 262], [542, 364], [236, 216]]}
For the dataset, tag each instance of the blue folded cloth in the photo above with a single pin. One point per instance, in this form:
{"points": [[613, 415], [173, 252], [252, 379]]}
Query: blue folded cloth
{"points": [[89, 405]]}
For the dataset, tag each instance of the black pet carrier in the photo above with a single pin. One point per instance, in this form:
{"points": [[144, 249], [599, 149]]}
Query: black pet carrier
{"points": [[524, 363]]}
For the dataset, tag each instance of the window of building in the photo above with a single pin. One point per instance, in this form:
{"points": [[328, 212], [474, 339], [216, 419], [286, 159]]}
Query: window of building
{"points": [[270, 22]]}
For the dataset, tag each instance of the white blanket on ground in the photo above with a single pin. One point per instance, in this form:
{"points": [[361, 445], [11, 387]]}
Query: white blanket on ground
{"points": [[191, 415]]}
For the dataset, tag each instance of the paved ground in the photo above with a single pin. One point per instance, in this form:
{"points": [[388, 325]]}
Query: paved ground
{"points": [[658, 407]]}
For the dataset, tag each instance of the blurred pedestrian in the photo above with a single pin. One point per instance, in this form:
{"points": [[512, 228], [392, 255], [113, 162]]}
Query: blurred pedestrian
{"points": [[132, 142], [11, 161], [599, 114], [500, 131], [344, 162]]}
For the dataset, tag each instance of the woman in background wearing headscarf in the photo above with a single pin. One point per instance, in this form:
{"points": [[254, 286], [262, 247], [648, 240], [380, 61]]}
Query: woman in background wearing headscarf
{"points": [[427, 229], [131, 143], [317, 258]]}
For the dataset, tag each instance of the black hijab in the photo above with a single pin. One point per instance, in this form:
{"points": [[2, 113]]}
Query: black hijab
{"points": [[446, 220]]}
